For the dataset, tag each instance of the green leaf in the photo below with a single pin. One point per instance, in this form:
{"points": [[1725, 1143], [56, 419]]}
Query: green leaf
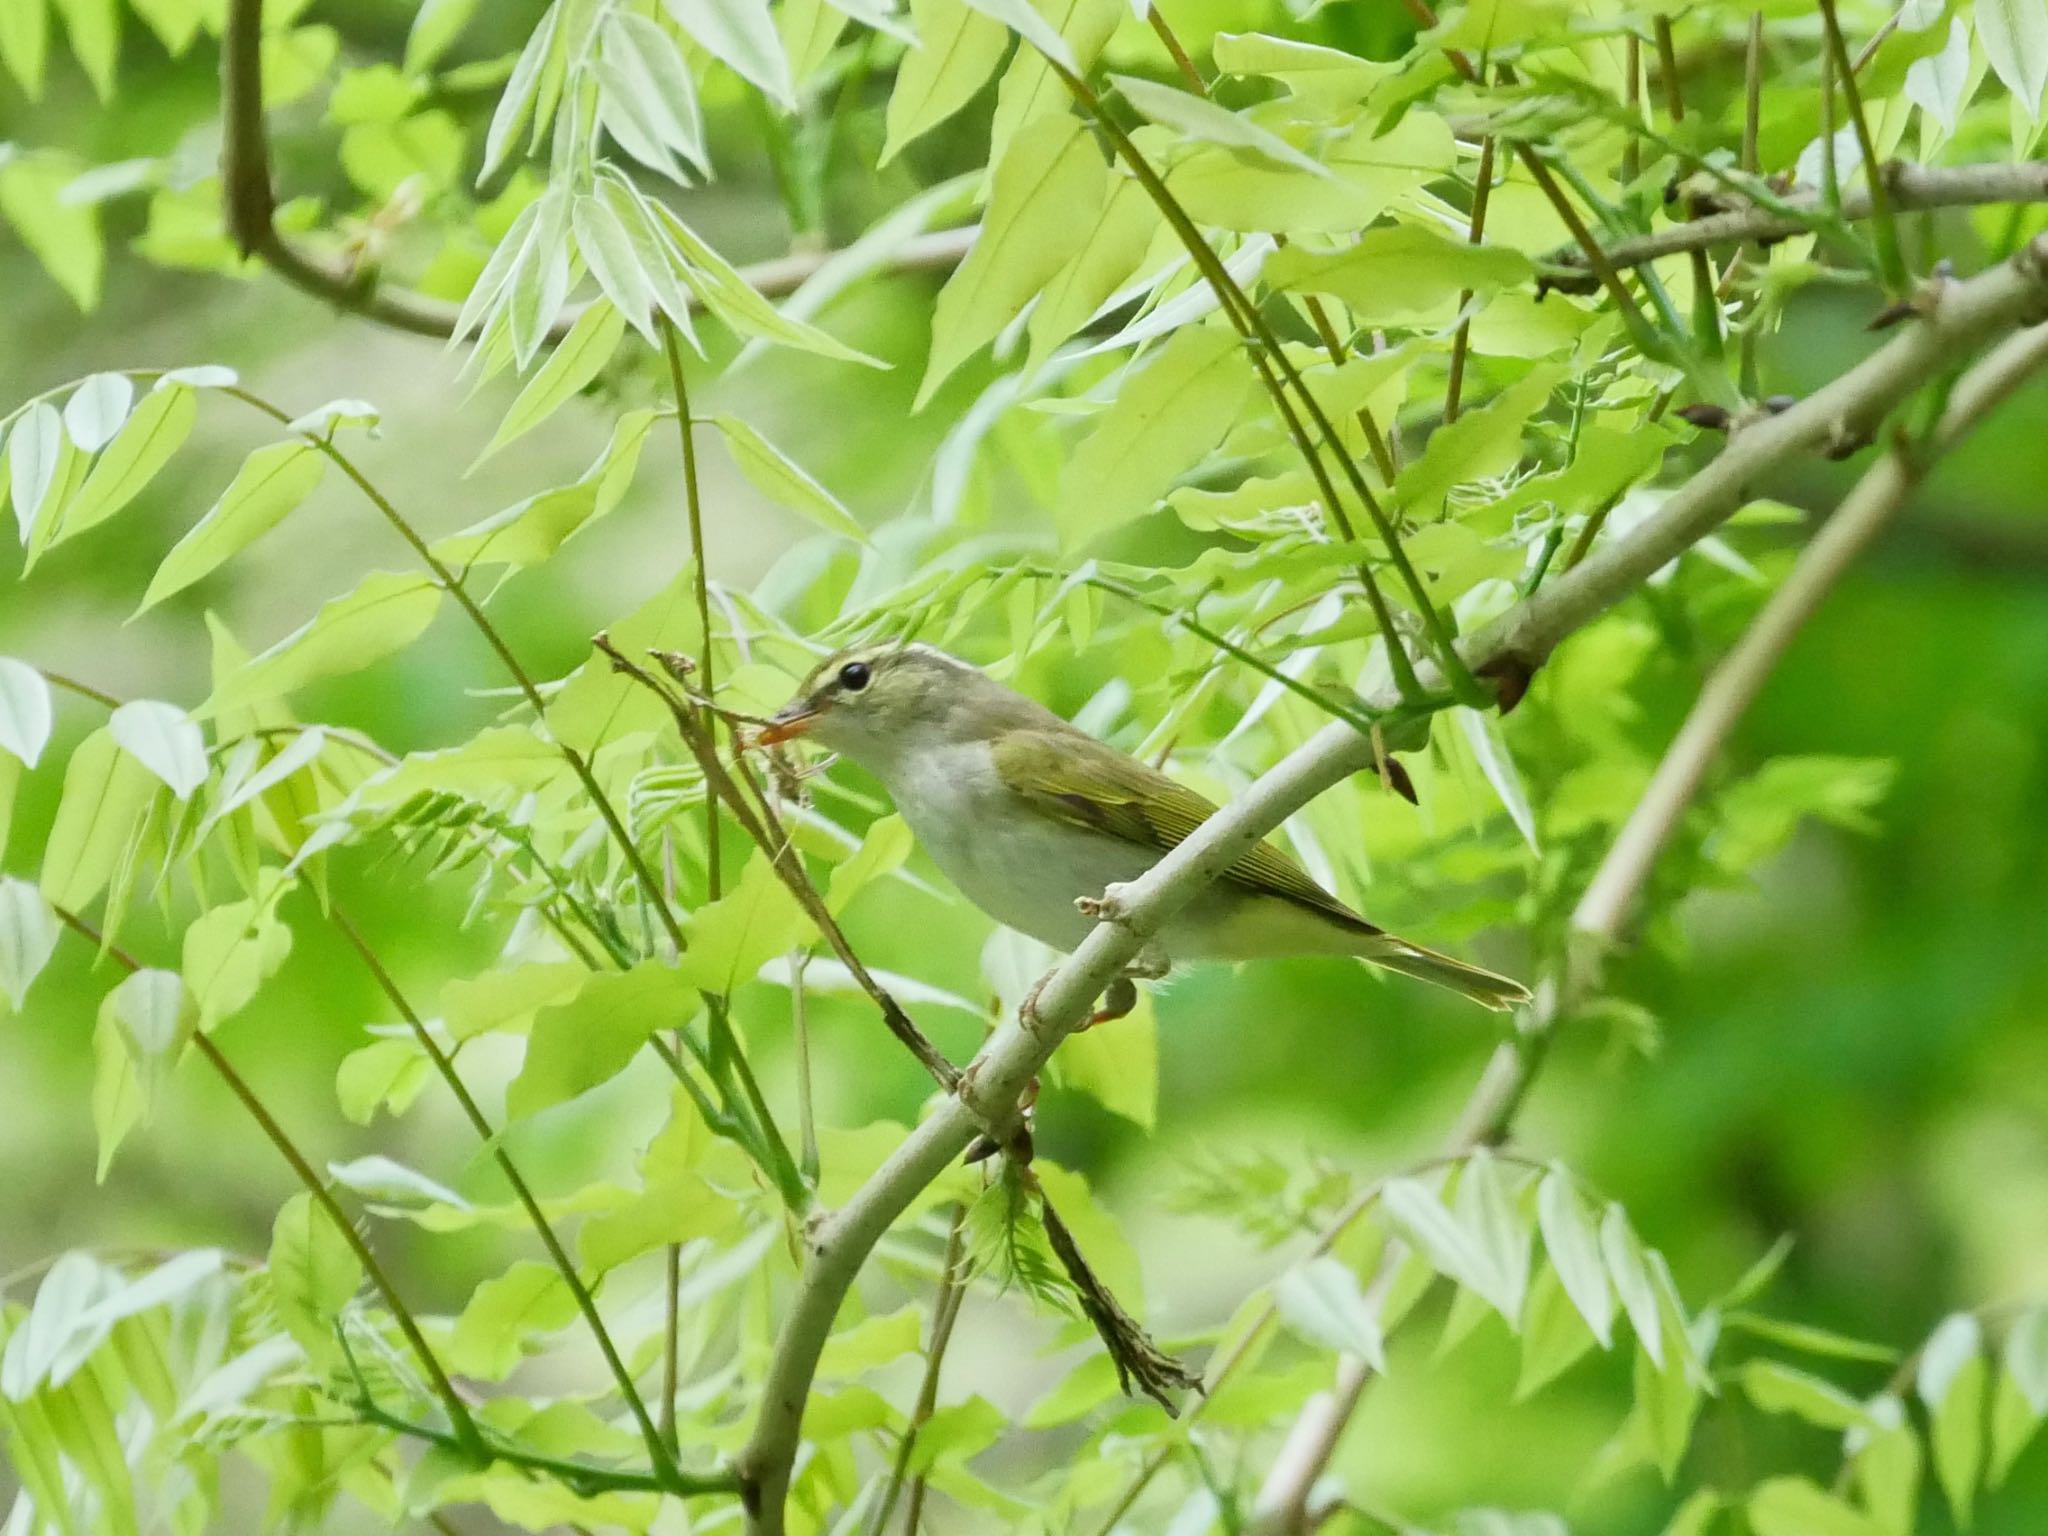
{"points": [[874, 1341], [882, 851], [1117, 1067], [25, 43], [1321, 1300], [384, 1073], [1487, 1209], [588, 1039], [1791, 1506], [1888, 1465], [1809, 1340], [2013, 1423], [2026, 1357], [383, 615], [772, 473], [95, 30], [434, 29], [1449, 1244], [733, 937], [314, 1273], [106, 792], [64, 236], [25, 712], [1478, 445], [1398, 274], [271, 482], [529, 532], [741, 34], [1574, 1249], [491, 1335], [1951, 1382], [143, 1024], [1199, 118], [28, 937], [1554, 1333], [164, 739], [1779, 1388], [97, 409], [147, 442], [229, 952], [1161, 425], [959, 49]]}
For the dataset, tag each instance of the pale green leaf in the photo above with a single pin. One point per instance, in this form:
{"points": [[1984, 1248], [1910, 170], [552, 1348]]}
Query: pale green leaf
{"points": [[1021, 18], [1574, 1249], [227, 955], [64, 236], [1778, 1388], [314, 1273], [2015, 38], [1951, 1382], [1161, 425], [1790, 1506], [1199, 118], [25, 711], [147, 442], [1108, 258], [28, 937], [25, 43], [1031, 88], [106, 792], [588, 1039], [520, 103], [773, 474], [1888, 1463], [96, 410], [1632, 1283], [36, 450], [741, 34], [384, 614], [732, 938], [647, 98], [435, 27], [1399, 274], [1321, 1300], [503, 1314], [1328, 77], [271, 482], [960, 48], [740, 305], [164, 739], [94, 27]]}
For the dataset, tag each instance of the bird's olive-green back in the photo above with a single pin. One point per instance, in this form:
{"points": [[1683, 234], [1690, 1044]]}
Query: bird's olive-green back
{"points": [[1074, 778]]}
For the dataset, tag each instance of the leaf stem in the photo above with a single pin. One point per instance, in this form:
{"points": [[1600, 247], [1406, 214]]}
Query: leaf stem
{"points": [[1891, 261]]}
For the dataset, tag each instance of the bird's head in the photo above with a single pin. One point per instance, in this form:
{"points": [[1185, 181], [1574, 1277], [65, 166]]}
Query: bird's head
{"points": [[873, 703]]}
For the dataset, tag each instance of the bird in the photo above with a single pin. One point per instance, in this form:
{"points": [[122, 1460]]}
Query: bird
{"points": [[1033, 819]]}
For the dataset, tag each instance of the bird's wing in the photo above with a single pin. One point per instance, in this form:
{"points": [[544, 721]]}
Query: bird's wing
{"points": [[1078, 780]]}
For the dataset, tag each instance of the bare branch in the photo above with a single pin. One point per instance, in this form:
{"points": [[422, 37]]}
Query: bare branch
{"points": [[837, 1244], [1912, 188]]}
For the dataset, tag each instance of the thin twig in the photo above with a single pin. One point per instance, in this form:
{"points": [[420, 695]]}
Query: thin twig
{"points": [[945, 1312], [1891, 262], [1706, 309], [1461, 343]]}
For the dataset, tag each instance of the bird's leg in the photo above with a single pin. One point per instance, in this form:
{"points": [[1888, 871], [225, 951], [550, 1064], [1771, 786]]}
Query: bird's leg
{"points": [[1116, 1003], [1018, 1143]]}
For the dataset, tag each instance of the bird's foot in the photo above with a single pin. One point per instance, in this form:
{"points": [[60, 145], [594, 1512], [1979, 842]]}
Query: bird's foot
{"points": [[1016, 1142], [1117, 1003]]}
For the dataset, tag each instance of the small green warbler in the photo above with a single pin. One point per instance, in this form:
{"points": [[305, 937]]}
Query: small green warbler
{"points": [[1029, 815]]}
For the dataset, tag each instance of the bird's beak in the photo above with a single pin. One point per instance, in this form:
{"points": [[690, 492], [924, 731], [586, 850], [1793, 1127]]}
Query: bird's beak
{"points": [[790, 722]]}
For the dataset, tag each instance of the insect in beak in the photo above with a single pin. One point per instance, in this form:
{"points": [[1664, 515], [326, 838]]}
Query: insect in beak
{"points": [[789, 722]]}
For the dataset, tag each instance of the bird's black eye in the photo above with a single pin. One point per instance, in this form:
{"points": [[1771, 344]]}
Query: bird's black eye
{"points": [[854, 676]]}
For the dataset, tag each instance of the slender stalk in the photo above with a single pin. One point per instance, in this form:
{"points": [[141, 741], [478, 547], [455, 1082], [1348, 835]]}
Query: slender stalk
{"points": [[1181, 61], [1891, 262], [1911, 189], [945, 1312], [1461, 344], [1706, 310], [713, 881], [468, 1438], [800, 1028], [1632, 99], [659, 1450]]}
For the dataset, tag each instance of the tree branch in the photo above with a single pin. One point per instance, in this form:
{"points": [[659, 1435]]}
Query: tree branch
{"points": [[1912, 188], [1597, 920], [249, 201], [837, 1244]]}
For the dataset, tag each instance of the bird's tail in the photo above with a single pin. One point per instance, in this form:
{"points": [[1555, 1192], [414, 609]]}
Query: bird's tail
{"points": [[1483, 987]]}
